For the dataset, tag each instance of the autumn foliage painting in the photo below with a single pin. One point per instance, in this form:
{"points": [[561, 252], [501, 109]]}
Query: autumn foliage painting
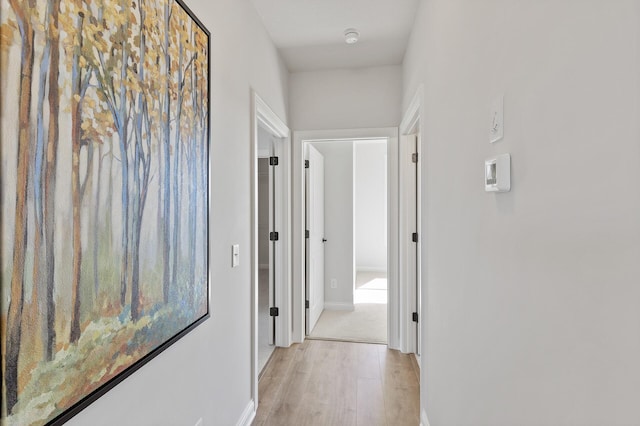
{"points": [[104, 119]]}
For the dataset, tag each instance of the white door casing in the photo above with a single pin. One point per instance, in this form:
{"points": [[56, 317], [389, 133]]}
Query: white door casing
{"points": [[315, 242]]}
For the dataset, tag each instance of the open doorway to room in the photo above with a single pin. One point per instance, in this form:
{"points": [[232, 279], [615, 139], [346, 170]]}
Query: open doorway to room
{"points": [[411, 247], [270, 237], [303, 299], [346, 248], [266, 290]]}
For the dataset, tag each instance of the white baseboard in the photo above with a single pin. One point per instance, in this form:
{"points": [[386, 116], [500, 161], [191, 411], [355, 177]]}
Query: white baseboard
{"points": [[263, 266], [329, 306], [424, 421], [248, 415], [371, 269]]}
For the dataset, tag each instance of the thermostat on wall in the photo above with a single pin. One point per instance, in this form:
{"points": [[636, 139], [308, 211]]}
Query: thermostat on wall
{"points": [[497, 174]]}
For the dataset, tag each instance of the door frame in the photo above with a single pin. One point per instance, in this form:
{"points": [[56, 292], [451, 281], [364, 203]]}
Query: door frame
{"points": [[263, 115], [411, 124], [299, 139]]}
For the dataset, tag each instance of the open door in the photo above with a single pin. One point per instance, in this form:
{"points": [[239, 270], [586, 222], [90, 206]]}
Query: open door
{"points": [[272, 244], [411, 236], [412, 213], [417, 314], [315, 237]]}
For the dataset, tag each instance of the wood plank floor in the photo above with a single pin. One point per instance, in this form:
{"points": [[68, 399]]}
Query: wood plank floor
{"points": [[338, 383]]}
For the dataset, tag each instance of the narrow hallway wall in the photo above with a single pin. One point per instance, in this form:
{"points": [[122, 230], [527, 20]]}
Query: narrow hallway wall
{"points": [[346, 98], [532, 295], [207, 374]]}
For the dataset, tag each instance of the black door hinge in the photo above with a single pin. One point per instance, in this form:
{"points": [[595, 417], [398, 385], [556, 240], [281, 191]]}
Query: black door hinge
{"points": [[306, 233], [273, 161], [274, 312], [414, 317], [414, 157], [273, 236], [306, 304], [306, 164], [414, 237]]}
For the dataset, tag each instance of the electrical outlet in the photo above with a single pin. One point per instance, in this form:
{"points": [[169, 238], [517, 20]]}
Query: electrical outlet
{"points": [[199, 422], [334, 283]]}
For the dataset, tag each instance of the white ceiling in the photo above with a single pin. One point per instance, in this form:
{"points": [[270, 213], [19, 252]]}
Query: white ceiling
{"points": [[310, 33]]}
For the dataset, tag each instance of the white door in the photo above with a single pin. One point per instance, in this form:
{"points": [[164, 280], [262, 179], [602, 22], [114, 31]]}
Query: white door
{"points": [[417, 245], [272, 244], [315, 242], [410, 243]]}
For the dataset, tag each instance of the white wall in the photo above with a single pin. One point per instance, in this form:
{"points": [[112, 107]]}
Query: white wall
{"points": [[346, 98], [338, 222], [370, 205], [532, 296], [208, 373]]}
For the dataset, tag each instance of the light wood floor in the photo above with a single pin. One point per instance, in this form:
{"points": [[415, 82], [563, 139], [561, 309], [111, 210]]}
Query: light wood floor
{"points": [[338, 383]]}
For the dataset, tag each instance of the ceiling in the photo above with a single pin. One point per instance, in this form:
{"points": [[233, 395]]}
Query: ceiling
{"points": [[310, 33]]}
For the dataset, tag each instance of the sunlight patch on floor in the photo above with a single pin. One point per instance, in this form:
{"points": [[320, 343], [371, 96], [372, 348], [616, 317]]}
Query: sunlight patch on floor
{"points": [[373, 291], [374, 284]]}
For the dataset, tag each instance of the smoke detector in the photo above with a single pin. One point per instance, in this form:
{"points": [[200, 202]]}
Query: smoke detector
{"points": [[351, 35]]}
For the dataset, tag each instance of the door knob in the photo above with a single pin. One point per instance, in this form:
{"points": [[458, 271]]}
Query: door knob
{"points": [[324, 240]]}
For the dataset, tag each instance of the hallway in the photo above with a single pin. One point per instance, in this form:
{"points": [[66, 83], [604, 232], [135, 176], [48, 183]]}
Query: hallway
{"points": [[338, 383]]}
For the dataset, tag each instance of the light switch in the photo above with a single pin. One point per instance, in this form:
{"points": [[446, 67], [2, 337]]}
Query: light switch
{"points": [[235, 255], [496, 120]]}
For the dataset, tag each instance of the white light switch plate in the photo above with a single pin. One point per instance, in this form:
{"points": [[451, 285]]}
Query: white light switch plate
{"points": [[496, 120], [235, 255]]}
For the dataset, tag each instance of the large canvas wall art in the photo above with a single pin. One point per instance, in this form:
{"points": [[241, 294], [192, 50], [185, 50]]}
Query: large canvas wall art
{"points": [[104, 208]]}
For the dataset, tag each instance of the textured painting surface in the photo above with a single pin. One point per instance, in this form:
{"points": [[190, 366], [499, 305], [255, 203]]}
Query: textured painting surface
{"points": [[104, 207]]}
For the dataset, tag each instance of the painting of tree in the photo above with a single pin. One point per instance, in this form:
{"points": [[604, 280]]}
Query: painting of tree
{"points": [[104, 208]]}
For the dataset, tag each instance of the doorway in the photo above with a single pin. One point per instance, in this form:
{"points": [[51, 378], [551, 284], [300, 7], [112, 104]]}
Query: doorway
{"points": [[354, 279], [412, 235], [270, 250], [346, 252], [266, 254]]}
